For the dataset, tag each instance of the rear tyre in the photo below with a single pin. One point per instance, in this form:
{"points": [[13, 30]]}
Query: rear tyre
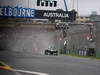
{"points": [[46, 53]]}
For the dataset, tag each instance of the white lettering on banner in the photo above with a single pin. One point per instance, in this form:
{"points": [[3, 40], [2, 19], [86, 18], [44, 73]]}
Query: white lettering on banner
{"points": [[28, 13], [5, 11], [62, 15], [32, 13], [23, 12], [45, 14], [10, 11], [19, 12], [1, 11], [16, 12]]}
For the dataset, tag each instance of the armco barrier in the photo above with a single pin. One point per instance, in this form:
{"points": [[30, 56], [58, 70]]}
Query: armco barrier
{"points": [[81, 53], [72, 52], [97, 54], [77, 52]]}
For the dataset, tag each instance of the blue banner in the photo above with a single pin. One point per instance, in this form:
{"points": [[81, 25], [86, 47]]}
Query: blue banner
{"points": [[17, 12]]}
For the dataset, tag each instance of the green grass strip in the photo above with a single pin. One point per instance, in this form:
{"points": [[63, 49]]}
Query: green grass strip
{"points": [[91, 57]]}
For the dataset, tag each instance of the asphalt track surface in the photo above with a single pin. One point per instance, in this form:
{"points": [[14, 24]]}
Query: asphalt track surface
{"points": [[50, 65]]}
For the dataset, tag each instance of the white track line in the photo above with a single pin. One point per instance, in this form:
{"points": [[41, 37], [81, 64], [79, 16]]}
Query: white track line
{"points": [[30, 72]]}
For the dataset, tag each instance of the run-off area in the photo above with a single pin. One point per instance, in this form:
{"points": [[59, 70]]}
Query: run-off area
{"points": [[32, 39]]}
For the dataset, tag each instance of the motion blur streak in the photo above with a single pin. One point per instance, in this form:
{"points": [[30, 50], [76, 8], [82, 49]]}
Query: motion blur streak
{"points": [[30, 72]]}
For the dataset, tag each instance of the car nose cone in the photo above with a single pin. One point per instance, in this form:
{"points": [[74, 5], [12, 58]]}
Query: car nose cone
{"points": [[7, 70]]}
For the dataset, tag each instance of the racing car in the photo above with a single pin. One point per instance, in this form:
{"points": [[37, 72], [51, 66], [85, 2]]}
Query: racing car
{"points": [[51, 51]]}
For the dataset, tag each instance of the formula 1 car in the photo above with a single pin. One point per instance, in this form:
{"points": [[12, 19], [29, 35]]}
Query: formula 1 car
{"points": [[51, 51]]}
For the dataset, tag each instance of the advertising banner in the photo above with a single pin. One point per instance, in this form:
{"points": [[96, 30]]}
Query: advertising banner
{"points": [[49, 14], [20, 12]]}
